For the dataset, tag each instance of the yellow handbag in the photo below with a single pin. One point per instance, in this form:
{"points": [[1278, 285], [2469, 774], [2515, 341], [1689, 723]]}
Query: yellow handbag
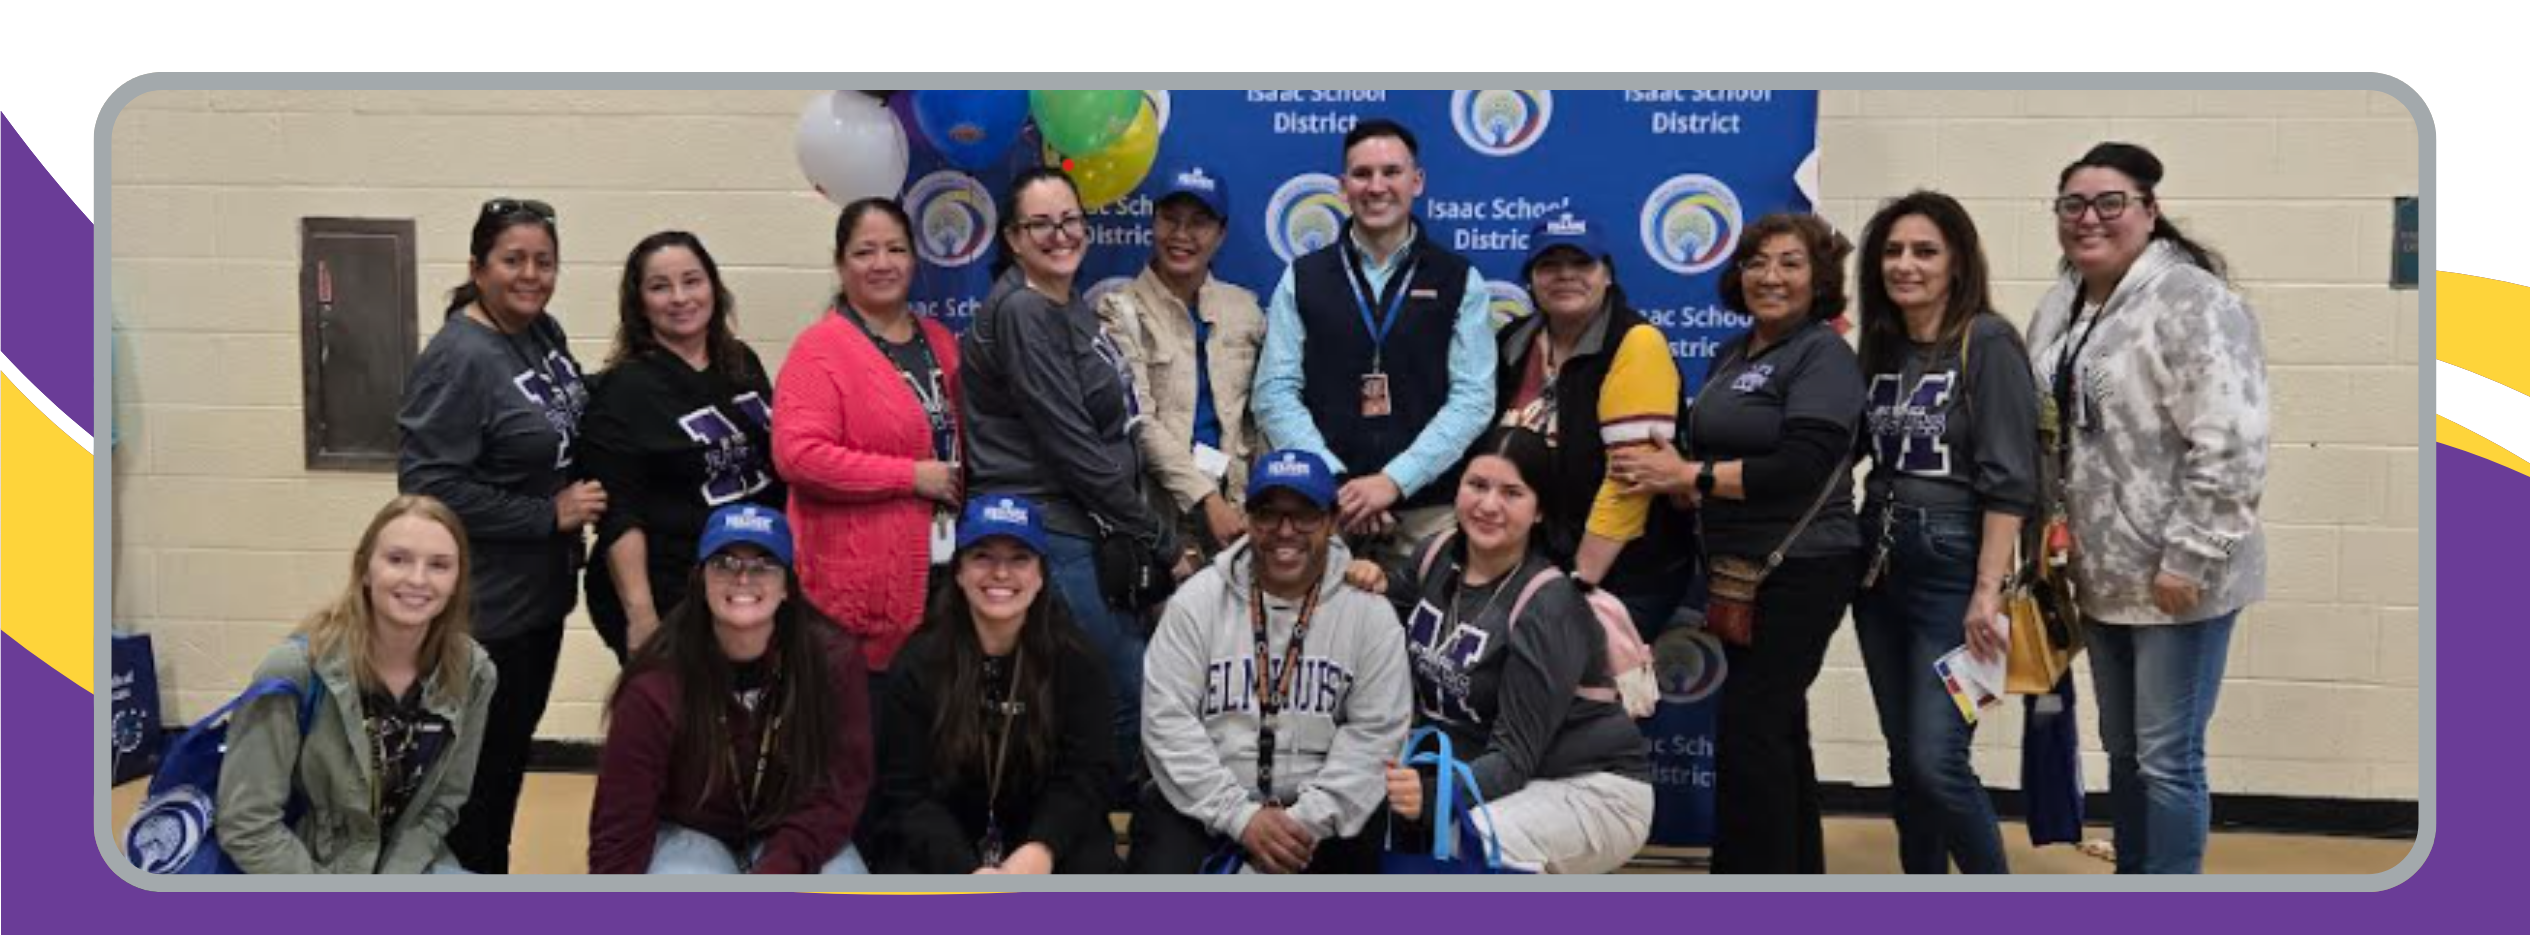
{"points": [[2046, 628]]}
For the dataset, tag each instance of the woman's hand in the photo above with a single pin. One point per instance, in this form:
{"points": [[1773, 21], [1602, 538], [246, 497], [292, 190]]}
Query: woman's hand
{"points": [[2175, 595], [1989, 637], [937, 481], [1652, 469], [1405, 792], [578, 505], [1030, 858], [1366, 575]]}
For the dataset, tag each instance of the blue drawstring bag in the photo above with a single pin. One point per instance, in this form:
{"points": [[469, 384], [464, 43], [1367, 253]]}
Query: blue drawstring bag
{"points": [[172, 831], [1457, 846], [135, 733]]}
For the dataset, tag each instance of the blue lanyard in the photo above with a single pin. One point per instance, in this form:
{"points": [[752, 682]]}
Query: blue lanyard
{"points": [[1360, 281]]}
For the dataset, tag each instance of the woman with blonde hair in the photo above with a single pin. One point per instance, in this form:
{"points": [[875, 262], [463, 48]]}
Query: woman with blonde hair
{"points": [[402, 695]]}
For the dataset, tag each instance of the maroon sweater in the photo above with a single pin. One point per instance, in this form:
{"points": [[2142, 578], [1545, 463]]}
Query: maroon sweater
{"points": [[639, 786]]}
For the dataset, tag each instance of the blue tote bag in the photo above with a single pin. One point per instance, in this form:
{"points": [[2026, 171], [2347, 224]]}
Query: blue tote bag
{"points": [[1457, 846], [173, 832]]}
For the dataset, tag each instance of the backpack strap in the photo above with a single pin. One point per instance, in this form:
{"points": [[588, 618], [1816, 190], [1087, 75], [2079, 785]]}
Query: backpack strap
{"points": [[1432, 555], [1520, 606]]}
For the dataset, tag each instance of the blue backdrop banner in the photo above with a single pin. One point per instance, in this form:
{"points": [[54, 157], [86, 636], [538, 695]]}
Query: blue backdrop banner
{"points": [[1673, 176]]}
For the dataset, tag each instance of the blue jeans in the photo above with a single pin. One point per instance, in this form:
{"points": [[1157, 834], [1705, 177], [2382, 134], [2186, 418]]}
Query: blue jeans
{"points": [[683, 850], [2156, 687], [1912, 616], [1072, 563]]}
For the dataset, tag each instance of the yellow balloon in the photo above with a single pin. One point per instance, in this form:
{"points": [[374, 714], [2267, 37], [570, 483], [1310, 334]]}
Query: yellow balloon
{"points": [[1112, 173]]}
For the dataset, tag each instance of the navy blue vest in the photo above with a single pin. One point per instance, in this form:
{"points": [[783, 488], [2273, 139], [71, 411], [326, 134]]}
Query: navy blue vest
{"points": [[1415, 357]]}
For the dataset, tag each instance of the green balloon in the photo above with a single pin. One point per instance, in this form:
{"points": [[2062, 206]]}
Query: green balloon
{"points": [[1083, 123]]}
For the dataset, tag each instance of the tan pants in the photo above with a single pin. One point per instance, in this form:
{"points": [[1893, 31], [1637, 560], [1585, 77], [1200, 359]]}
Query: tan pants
{"points": [[1592, 823]]}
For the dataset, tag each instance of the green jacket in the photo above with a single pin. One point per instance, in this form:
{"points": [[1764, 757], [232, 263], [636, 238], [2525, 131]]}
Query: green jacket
{"points": [[339, 832]]}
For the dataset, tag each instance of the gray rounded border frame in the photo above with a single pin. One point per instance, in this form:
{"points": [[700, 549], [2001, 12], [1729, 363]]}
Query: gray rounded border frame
{"points": [[109, 848]]}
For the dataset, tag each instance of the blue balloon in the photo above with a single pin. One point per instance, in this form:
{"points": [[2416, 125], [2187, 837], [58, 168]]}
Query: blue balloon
{"points": [[971, 129]]}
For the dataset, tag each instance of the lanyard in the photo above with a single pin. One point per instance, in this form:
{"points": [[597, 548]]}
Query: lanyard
{"points": [[751, 794], [2066, 362], [927, 391], [1270, 698], [1394, 299], [990, 850]]}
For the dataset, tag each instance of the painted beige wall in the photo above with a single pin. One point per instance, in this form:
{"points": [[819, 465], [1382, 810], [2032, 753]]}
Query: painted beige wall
{"points": [[222, 538]]}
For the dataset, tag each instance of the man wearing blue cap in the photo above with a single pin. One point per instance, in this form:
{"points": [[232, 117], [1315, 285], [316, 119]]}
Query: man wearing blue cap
{"points": [[1273, 695], [1192, 342]]}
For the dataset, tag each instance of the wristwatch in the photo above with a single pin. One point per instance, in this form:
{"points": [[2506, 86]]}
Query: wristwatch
{"points": [[1704, 480]]}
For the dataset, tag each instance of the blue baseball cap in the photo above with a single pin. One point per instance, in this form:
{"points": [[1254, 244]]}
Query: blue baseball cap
{"points": [[1002, 515], [1208, 189], [762, 527], [1568, 229], [1294, 470]]}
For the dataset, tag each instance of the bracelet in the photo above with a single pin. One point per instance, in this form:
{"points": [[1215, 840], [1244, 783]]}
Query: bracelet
{"points": [[1704, 480]]}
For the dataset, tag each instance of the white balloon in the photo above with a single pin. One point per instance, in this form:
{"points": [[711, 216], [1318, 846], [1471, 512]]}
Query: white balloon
{"points": [[851, 147]]}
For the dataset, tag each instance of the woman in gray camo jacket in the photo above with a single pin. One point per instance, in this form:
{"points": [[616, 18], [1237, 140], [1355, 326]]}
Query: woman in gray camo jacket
{"points": [[2158, 376]]}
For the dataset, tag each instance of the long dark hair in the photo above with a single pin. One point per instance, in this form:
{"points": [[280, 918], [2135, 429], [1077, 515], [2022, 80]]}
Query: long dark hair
{"points": [[961, 730], [633, 334], [2139, 164], [498, 216], [1007, 208], [686, 649], [1884, 336]]}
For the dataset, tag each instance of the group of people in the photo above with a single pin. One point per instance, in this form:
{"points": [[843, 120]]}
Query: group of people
{"points": [[950, 603]]}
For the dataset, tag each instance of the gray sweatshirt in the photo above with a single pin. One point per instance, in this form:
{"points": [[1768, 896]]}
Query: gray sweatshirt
{"points": [[1346, 718], [2169, 434], [488, 424]]}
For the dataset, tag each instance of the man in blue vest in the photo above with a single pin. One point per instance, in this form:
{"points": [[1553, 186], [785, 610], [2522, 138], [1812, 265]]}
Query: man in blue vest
{"points": [[1397, 376]]}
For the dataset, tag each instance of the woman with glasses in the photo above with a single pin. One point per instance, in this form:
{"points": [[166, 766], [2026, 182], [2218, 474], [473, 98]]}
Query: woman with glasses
{"points": [[866, 434], [490, 422], [2158, 379], [1768, 443], [678, 425], [1508, 659], [738, 740], [1953, 439], [1051, 415], [997, 756]]}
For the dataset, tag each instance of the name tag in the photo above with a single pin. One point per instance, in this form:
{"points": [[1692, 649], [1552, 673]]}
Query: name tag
{"points": [[1211, 461], [1432, 294], [944, 537]]}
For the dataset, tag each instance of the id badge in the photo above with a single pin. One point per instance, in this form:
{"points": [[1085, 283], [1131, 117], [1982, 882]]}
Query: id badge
{"points": [[1212, 462], [1374, 395], [944, 537]]}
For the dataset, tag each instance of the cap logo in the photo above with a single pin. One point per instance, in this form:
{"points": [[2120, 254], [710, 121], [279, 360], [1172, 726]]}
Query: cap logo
{"points": [[1005, 512], [1288, 466], [751, 521], [1568, 226], [1195, 178]]}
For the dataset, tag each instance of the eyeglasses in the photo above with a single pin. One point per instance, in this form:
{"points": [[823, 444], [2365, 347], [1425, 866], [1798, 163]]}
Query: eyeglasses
{"points": [[1041, 230], [499, 207], [1794, 265], [2111, 205], [1304, 523], [730, 566]]}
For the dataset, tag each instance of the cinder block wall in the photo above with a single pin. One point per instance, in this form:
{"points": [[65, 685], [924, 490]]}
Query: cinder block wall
{"points": [[223, 540]]}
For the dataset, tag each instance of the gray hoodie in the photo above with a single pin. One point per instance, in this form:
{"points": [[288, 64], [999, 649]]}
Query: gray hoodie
{"points": [[1347, 716], [2169, 437]]}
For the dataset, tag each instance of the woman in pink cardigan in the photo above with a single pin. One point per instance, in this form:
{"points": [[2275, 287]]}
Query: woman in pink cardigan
{"points": [[865, 429]]}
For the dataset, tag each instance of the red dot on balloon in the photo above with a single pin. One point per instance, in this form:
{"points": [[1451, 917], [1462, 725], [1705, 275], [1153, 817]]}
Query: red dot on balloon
{"points": [[1067, 163]]}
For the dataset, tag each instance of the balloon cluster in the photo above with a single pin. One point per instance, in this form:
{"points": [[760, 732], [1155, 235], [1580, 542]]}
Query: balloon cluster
{"points": [[854, 144]]}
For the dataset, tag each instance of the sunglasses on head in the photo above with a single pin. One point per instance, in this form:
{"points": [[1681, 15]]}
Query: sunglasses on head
{"points": [[499, 207]]}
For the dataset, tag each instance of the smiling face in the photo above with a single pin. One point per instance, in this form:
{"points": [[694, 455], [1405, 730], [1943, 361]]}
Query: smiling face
{"points": [[2104, 247], [1049, 236], [1496, 509], [516, 278], [1290, 536], [1917, 265], [1381, 182], [1185, 235], [744, 586], [1776, 281], [876, 264], [413, 570], [1000, 578], [1568, 285], [677, 296]]}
